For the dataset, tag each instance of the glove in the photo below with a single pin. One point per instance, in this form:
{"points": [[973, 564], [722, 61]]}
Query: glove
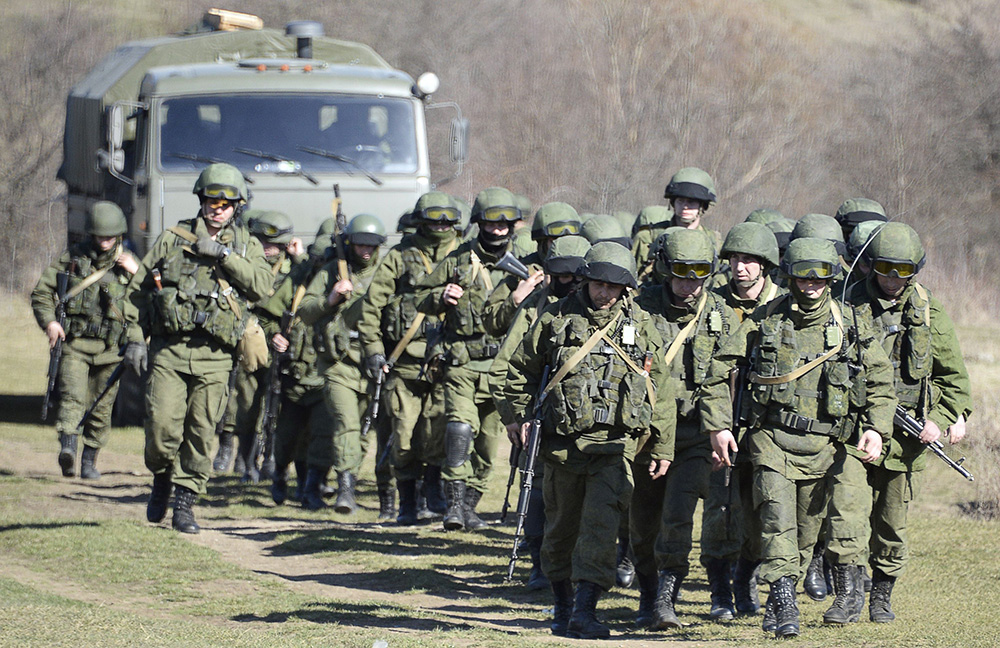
{"points": [[206, 247], [374, 364], [135, 357]]}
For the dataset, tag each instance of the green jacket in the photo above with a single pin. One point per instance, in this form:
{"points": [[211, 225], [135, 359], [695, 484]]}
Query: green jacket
{"points": [[602, 406], [95, 320], [930, 377], [191, 304], [852, 390]]}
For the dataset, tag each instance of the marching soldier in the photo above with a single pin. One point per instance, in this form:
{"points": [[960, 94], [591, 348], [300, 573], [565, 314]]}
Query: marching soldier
{"points": [[691, 192], [98, 271], [650, 224], [191, 296]]}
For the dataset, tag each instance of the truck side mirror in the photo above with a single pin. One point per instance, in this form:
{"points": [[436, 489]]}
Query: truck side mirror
{"points": [[113, 158], [116, 127], [459, 150]]}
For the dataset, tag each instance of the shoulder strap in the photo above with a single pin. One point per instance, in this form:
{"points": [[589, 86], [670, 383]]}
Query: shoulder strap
{"points": [[227, 290], [685, 332], [581, 353], [650, 390], [812, 364], [772, 292], [91, 279], [480, 269], [922, 293]]}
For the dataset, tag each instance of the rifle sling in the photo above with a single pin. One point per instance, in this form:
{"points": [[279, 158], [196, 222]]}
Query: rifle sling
{"points": [[809, 366], [411, 332], [685, 332], [227, 290], [91, 279], [581, 353]]}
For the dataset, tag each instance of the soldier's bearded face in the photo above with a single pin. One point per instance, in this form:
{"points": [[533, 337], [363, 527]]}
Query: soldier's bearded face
{"points": [[604, 295], [891, 286]]}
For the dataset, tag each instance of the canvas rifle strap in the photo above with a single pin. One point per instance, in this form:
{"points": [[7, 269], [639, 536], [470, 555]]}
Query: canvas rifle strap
{"points": [[812, 364]]}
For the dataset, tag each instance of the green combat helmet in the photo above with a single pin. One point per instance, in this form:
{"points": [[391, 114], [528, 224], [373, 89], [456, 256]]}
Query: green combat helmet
{"points": [[566, 255], [318, 248], [365, 229], [823, 227], [221, 181], [896, 250], [860, 236], [754, 239], [406, 223], [327, 227], [611, 263], [496, 204], [811, 258], [626, 219], [691, 182], [105, 219], [270, 226], [555, 219], [782, 229], [686, 253], [605, 228], [653, 217], [855, 211], [436, 207], [466, 210], [523, 203], [764, 216]]}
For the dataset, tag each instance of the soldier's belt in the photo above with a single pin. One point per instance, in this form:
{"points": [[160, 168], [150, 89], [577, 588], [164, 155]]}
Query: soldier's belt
{"points": [[485, 351], [793, 421]]}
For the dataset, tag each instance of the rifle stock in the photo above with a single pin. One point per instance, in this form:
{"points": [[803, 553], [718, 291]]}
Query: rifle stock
{"points": [[112, 379]]}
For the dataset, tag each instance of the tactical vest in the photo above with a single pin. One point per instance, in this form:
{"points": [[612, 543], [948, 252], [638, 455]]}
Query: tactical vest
{"points": [[838, 395], [336, 336], [467, 337], [192, 302], [401, 311], [95, 312], [601, 390], [906, 338]]}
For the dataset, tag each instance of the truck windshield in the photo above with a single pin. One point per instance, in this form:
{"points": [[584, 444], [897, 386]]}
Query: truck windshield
{"points": [[374, 134]]}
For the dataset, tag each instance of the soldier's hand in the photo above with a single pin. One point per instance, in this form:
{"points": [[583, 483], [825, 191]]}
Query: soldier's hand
{"points": [[376, 363], [930, 433], [55, 332], [135, 357], [514, 435], [279, 342], [295, 247], [452, 293], [658, 468], [206, 247], [340, 291], [526, 286], [871, 445], [128, 262], [723, 442], [956, 431]]}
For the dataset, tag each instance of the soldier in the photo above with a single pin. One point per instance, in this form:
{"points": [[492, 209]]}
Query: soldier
{"points": [[607, 374], [821, 226], [691, 192], [565, 257], [604, 227], [552, 220], [931, 383], [854, 211], [855, 245], [190, 295], [797, 412], [98, 270], [332, 305], [752, 253], [457, 290], [651, 223], [395, 337], [696, 320]]}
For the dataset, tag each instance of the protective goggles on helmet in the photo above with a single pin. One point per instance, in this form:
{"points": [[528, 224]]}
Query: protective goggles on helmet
{"points": [[221, 191], [563, 228], [813, 270], [690, 270], [218, 203], [500, 214], [268, 230], [890, 268], [441, 214]]}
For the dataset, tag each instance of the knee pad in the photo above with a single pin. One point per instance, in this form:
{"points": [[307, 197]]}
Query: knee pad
{"points": [[457, 442]]}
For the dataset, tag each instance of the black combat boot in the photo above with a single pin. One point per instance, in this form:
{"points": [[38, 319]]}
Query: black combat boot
{"points": [[156, 507], [866, 580], [536, 577], [407, 502], [664, 615], [311, 498], [432, 490], [624, 570], [745, 586], [183, 520], [386, 503], [880, 603], [345, 502], [563, 609], [769, 624], [224, 456], [301, 468], [67, 454], [267, 468], [786, 611], [472, 521], [279, 485], [584, 624], [454, 517], [720, 584], [326, 491], [814, 583], [88, 469], [423, 512], [648, 584], [850, 596]]}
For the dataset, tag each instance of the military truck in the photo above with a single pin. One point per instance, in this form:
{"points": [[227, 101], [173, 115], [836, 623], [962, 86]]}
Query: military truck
{"points": [[296, 111]]}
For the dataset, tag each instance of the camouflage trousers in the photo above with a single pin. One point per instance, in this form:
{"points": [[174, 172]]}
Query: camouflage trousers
{"points": [[583, 509], [791, 513], [468, 400], [413, 410], [81, 378], [847, 526], [346, 395], [302, 433], [892, 494]]}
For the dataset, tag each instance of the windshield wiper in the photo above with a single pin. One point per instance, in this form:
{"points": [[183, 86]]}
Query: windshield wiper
{"points": [[205, 160], [340, 158], [284, 166]]}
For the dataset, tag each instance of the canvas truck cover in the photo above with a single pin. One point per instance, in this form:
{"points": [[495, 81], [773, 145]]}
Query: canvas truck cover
{"points": [[118, 77]]}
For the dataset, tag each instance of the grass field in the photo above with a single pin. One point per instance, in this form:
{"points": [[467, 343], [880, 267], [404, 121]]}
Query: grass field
{"points": [[82, 567]]}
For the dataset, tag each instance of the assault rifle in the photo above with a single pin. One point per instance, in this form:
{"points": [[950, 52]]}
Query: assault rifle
{"points": [[371, 414], [338, 235], [272, 398], [112, 379], [528, 472], [55, 353], [912, 427]]}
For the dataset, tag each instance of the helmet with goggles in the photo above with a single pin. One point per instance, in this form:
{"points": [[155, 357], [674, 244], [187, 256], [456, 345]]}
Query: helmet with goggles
{"points": [[686, 254], [221, 181], [811, 258], [896, 251], [436, 207], [494, 205], [270, 226], [555, 219]]}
